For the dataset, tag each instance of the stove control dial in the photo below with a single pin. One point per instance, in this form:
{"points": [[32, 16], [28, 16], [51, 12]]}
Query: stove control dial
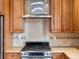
{"points": [[24, 54], [48, 54], [21, 53]]}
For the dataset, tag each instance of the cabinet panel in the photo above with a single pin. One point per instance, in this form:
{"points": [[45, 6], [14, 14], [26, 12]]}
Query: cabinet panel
{"points": [[59, 56], [12, 56], [16, 15], [61, 11], [66, 15], [56, 15], [1, 7], [75, 15], [78, 17]]}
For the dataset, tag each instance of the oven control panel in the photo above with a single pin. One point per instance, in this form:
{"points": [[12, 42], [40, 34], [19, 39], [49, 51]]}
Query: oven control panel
{"points": [[36, 53]]}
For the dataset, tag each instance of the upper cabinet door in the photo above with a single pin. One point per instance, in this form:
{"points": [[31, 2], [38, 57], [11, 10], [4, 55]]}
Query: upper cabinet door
{"points": [[78, 17], [56, 15], [75, 15], [1, 7], [66, 15], [16, 15], [61, 11]]}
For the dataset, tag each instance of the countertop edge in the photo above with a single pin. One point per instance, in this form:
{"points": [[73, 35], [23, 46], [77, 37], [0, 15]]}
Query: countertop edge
{"points": [[70, 52]]}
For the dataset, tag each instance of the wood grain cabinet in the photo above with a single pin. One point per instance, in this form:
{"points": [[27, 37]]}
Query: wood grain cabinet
{"points": [[61, 11], [59, 56], [66, 15], [56, 15], [1, 7], [16, 11], [12, 56], [76, 16]]}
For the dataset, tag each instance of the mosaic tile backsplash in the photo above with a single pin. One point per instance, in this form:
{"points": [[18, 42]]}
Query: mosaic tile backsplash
{"points": [[55, 39], [34, 30], [68, 39]]}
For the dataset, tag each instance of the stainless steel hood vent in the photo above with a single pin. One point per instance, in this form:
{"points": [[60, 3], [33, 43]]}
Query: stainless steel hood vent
{"points": [[37, 9]]}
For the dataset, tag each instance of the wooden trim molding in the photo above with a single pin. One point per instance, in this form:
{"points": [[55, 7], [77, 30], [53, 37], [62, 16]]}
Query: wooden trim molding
{"points": [[7, 34]]}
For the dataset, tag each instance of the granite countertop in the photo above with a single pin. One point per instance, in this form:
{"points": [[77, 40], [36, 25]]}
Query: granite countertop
{"points": [[13, 50], [72, 53]]}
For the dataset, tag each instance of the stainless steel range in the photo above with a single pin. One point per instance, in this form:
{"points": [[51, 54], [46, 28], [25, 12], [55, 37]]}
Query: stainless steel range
{"points": [[36, 50]]}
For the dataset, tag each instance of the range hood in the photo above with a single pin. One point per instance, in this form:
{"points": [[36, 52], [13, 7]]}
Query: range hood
{"points": [[37, 9], [36, 16]]}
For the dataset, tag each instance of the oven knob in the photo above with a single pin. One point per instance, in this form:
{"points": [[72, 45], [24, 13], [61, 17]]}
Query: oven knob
{"points": [[47, 54], [25, 54], [21, 53]]}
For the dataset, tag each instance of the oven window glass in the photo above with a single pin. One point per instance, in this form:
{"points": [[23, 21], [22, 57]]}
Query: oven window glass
{"points": [[37, 7], [36, 54]]}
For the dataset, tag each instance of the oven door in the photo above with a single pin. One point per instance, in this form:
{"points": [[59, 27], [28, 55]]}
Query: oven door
{"points": [[36, 57]]}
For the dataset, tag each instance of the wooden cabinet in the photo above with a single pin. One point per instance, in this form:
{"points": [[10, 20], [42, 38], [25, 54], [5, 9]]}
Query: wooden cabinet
{"points": [[59, 56], [1, 7], [12, 56], [78, 17], [16, 10], [61, 11], [75, 15], [66, 15], [56, 15]]}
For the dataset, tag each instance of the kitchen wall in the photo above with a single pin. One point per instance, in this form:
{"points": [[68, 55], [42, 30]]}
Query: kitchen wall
{"points": [[56, 40], [64, 39], [34, 30], [39, 31]]}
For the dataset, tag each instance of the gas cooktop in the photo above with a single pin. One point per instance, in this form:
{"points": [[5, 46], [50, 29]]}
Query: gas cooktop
{"points": [[37, 46]]}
